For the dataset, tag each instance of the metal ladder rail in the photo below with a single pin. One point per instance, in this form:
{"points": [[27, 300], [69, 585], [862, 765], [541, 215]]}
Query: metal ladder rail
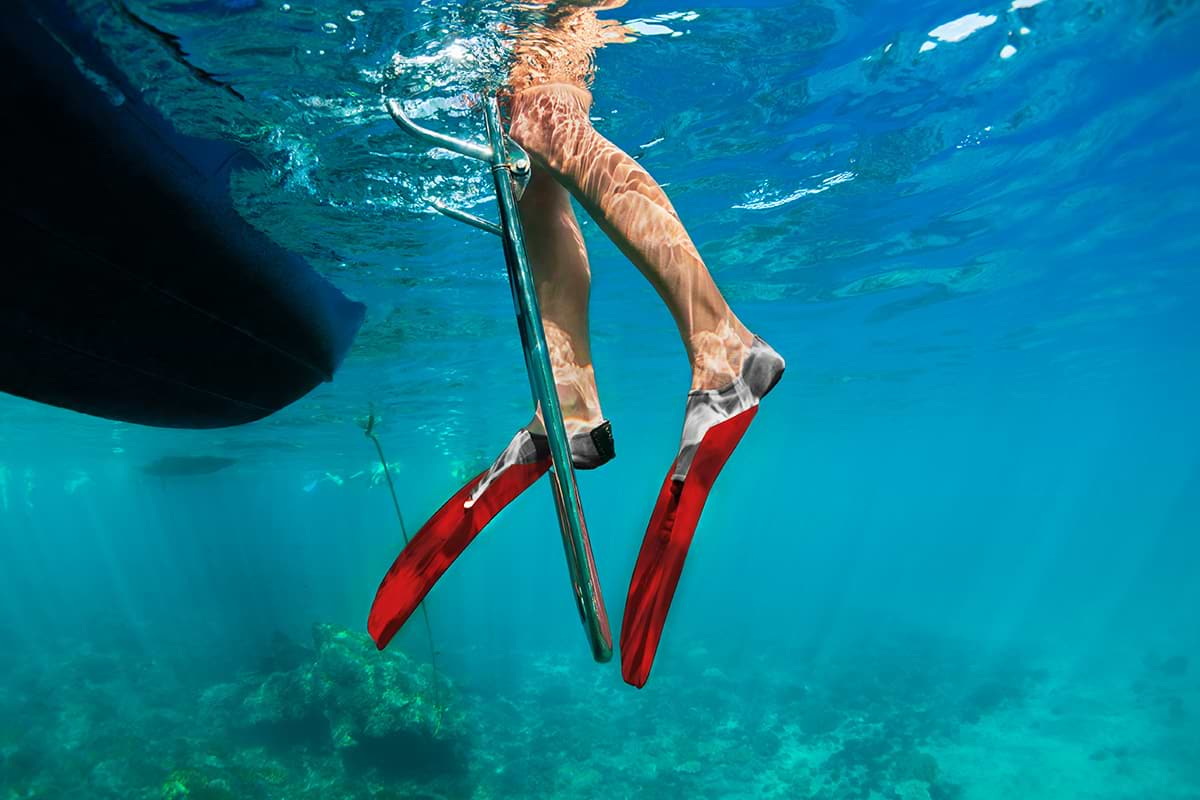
{"points": [[510, 165]]}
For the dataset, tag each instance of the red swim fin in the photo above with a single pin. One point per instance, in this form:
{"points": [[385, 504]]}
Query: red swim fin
{"points": [[665, 546], [440, 541]]}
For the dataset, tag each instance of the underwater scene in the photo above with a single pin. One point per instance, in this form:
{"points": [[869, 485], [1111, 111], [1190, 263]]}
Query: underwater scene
{"points": [[956, 556]]}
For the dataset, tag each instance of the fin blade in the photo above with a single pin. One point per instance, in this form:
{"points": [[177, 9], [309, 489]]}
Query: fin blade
{"points": [[439, 543], [665, 547]]}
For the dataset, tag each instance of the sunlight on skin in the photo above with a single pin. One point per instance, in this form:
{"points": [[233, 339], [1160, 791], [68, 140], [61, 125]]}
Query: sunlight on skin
{"points": [[548, 104], [562, 48], [718, 355], [576, 385], [559, 261], [551, 122]]}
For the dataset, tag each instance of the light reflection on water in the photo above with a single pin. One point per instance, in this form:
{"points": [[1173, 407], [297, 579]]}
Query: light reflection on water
{"points": [[831, 165]]}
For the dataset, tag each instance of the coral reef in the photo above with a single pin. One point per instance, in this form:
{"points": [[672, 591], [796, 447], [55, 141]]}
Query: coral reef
{"points": [[376, 710], [338, 720], [334, 719]]}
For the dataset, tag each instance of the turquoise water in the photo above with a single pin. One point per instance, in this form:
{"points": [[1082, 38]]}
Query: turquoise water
{"points": [[955, 557]]}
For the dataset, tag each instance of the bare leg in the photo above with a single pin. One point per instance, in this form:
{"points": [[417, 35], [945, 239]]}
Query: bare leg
{"points": [[551, 122], [733, 369], [559, 261]]}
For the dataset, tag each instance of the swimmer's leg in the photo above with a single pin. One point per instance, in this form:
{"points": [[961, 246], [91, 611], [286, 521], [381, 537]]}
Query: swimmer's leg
{"points": [[732, 370], [559, 261], [551, 122]]}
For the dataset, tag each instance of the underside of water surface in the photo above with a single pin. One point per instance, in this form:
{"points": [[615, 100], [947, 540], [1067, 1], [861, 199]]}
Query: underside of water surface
{"points": [[955, 557]]}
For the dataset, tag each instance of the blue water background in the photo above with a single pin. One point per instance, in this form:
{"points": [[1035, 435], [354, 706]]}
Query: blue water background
{"points": [[987, 435]]}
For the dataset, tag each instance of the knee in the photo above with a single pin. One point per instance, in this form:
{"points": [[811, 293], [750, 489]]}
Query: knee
{"points": [[529, 127], [550, 128]]}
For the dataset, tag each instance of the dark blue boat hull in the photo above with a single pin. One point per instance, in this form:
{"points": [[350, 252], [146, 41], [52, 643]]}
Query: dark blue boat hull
{"points": [[132, 289]]}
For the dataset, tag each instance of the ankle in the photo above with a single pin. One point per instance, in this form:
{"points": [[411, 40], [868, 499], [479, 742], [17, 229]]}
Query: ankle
{"points": [[576, 418], [717, 355]]}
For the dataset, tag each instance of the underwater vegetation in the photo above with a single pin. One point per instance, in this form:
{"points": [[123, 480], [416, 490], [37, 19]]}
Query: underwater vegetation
{"points": [[908, 718], [342, 697], [108, 722]]}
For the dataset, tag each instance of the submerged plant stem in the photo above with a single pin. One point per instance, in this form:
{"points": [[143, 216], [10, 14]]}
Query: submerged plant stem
{"points": [[387, 473]]}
